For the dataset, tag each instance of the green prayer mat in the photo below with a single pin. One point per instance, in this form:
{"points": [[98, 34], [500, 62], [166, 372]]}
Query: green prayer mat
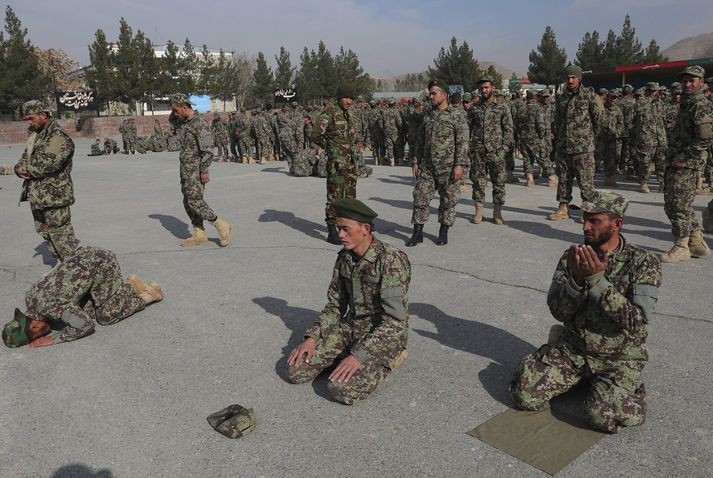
{"points": [[546, 440]]}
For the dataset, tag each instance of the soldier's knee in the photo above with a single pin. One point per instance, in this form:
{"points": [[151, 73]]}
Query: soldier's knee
{"points": [[345, 393], [297, 374]]}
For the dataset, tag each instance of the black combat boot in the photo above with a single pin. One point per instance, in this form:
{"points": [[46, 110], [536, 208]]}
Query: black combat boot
{"points": [[442, 235], [333, 235], [417, 236]]}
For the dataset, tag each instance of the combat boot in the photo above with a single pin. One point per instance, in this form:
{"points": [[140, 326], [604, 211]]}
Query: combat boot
{"points": [[442, 235], [679, 252], [552, 181], [610, 182], [512, 179], [530, 181], [708, 219], [561, 213], [196, 239], [152, 293], [697, 245], [400, 359], [498, 214], [333, 235], [136, 283], [224, 230], [478, 217], [417, 236], [644, 186]]}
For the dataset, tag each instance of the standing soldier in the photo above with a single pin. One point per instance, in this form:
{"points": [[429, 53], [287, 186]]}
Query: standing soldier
{"points": [[335, 133], [246, 140], [45, 168], [492, 136], [376, 132], [220, 137], [441, 155], [124, 130], [599, 139], [649, 136], [232, 135], [578, 117], [692, 137], [195, 158], [392, 126], [131, 135], [612, 135], [627, 104]]}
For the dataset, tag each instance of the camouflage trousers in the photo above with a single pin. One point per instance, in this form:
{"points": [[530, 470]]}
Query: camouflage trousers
{"points": [[234, 146], [222, 144], [427, 183], [534, 153], [246, 146], [264, 149], [55, 227], [378, 147], [613, 400], [612, 153], [341, 184], [570, 166], [391, 149], [486, 165], [657, 154], [289, 151], [194, 204], [678, 196], [330, 351], [510, 160], [130, 144], [625, 158]]}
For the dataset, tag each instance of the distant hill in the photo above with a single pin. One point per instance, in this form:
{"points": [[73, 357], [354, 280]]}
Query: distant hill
{"points": [[388, 82], [699, 46]]}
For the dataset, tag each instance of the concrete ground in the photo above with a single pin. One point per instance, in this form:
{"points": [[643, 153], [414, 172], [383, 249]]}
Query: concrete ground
{"points": [[131, 400]]}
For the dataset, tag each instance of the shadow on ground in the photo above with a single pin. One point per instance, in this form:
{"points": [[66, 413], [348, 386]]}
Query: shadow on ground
{"points": [[172, 224], [310, 228], [78, 470], [48, 258]]}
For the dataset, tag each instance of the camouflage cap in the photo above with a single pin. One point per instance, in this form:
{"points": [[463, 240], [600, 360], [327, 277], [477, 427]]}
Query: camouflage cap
{"points": [[234, 421], [16, 333], [640, 91], [544, 93], [353, 209], [484, 79], [180, 99], [345, 90], [616, 92], [693, 70], [651, 86], [603, 91], [676, 90], [392, 101], [605, 201], [440, 84], [34, 107], [572, 70], [467, 97], [627, 88]]}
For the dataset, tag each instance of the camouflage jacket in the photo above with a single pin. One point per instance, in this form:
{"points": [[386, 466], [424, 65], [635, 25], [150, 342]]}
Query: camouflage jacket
{"points": [[64, 298], [335, 133], [196, 146], [646, 126], [528, 121], [670, 114], [96, 150], [48, 162], [442, 141], [392, 122], [578, 119], [693, 133], [219, 128], [627, 104], [606, 320], [368, 297], [613, 123], [492, 127]]}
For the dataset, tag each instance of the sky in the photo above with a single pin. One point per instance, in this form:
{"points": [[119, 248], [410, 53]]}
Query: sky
{"points": [[390, 37]]}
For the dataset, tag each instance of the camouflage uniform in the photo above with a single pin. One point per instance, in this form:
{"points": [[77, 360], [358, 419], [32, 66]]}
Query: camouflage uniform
{"points": [[195, 158], [220, 136], [442, 145], [376, 134], [110, 146], [96, 150], [649, 138], [47, 160], [626, 162], [366, 316], [612, 134], [578, 117], [88, 286], [534, 134], [262, 130], [603, 341], [392, 126], [492, 136], [131, 136], [334, 133], [246, 140]]}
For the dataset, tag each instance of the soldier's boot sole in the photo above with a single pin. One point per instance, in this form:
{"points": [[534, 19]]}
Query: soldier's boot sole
{"points": [[196, 239], [224, 230]]}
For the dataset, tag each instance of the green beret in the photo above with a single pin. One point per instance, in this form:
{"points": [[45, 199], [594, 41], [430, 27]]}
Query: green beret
{"points": [[353, 209], [180, 99], [345, 90], [16, 333], [442, 85], [33, 107], [605, 201], [693, 70], [234, 421], [572, 70]]}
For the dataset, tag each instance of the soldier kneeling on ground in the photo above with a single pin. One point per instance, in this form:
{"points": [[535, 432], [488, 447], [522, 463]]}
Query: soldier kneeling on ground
{"points": [[63, 305], [363, 329], [96, 149], [604, 293], [110, 146]]}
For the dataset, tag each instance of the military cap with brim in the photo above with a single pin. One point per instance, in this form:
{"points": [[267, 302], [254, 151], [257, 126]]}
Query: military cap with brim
{"points": [[180, 98], [234, 421], [544, 93], [345, 90], [651, 86], [605, 201], [34, 107], [353, 209], [485, 79], [439, 84], [16, 333], [603, 91], [693, 70]]}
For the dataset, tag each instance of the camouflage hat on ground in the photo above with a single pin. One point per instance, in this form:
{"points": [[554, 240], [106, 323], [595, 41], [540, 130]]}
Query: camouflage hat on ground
{"points": [[16, 333], [440, 84], [234, 421], [180, 99], [34, 107], [572, 70], [693, 70], [345, 90], [353, 209], [605, 201]]}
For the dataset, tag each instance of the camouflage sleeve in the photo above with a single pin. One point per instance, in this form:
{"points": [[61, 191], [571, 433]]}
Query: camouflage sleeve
{"points": [[696, 151], [628, 311], [54, 157], [596, 113], [332, 312], [461, 143], [205, 148], [78, 325], [564, 297], [319, 129], [395, 271], [506, 125]]}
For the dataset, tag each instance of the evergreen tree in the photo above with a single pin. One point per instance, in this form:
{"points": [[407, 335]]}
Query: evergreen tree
{"points": [[168, 71], [348, 70], [101, 74], [226, 79], [653, 53], [284, 72], [306, 79], [590, 54], [411, 82], [456, 66], [146, 69], [326, 79], [628, 47], [206, 72], [609, 51], [188, 69], [547, 63], [264, 81]]}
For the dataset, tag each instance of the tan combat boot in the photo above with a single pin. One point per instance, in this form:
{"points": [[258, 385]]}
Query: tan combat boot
{"points": [[644, 187], [152, 293], [478, 217], [498, 214], [610, 182], [223, 231], [530, 181], [561, 213], [552, 181], [697, 245], [679, 252], [136, 283], [400, 359], [196, 239]]}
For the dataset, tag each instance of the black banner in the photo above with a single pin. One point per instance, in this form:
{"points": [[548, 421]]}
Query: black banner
{"points": [[76, 100], [285, 95]]}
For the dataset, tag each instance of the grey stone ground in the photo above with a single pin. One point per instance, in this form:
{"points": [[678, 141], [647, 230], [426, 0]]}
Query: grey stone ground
{"points": [[132, 399]]}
